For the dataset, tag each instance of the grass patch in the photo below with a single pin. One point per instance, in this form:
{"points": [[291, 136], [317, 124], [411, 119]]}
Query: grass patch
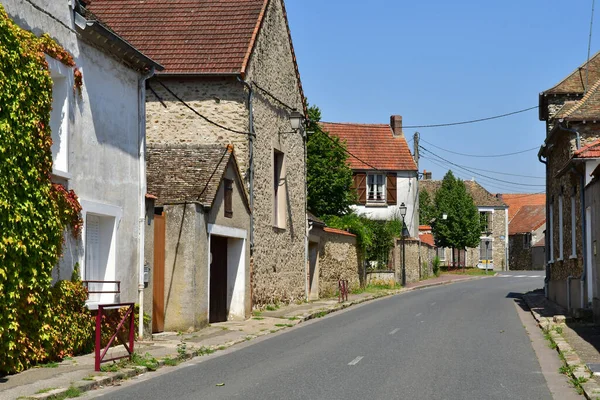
{"points": [[258, 318], [45, 390], [221, 348], [284, 325], [559, 330], [49, 365], [170, 362], [272, 307], [274, 330], [320, 314], [203, 351], [88, 378], [293, 318], [472, 271], [256, 313], [145, 361]]}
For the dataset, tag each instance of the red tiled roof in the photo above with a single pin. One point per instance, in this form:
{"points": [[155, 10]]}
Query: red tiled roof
{"points": [[527, 219], [427, 238], [424, 227], [575, 83], [187, 36], [592, 150], [338, 231], [517, 200], [374, 144]]}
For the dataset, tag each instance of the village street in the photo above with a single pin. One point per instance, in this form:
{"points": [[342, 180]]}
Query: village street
{"points": [[459, 341]]}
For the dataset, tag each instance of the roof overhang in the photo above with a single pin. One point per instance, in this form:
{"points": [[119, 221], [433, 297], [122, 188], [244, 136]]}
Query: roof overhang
{"points": [[97, 34]]}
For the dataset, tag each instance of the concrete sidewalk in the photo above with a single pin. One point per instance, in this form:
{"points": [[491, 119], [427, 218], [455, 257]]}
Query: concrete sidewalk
{"points": [[78, 375], [578, 342]]}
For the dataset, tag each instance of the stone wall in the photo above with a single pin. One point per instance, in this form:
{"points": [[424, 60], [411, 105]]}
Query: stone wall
{"points": [[521, 257], [279, 253], [412, 261], [338, 259]]}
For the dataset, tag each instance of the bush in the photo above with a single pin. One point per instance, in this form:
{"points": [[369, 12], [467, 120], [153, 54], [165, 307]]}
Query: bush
{"points": [[436, 266]]}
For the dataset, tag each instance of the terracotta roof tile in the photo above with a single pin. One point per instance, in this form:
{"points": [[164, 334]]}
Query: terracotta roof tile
{"points": [[374, 144], [527, 219], [187, 36], [338, 231], [592, 150], [517, 200], [576, 81], [186, 173], [481, 197], [427, 238], [424, 228]]}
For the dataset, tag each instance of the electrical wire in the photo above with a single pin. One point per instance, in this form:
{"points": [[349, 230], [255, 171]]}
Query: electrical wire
{"points": [[346, 150], [470, 121], [479, 155], [198, 114], [587, 64], [476, 173], [271, 95]]}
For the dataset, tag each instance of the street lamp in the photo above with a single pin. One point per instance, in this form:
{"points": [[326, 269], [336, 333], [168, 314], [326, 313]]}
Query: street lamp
{"points": [[487, 258], [403, 214], [296, 119]]}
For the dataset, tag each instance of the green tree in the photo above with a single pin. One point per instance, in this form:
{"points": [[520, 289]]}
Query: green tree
{"points": [[329, 177], [461, 228], [426, 208]]}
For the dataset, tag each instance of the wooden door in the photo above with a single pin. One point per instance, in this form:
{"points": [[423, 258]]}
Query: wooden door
{"points": [[218, 279], [158, 275]]}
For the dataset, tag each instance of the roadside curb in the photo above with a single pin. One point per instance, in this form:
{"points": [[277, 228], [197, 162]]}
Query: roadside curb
{"points": [[113, 378], [577, 369]]}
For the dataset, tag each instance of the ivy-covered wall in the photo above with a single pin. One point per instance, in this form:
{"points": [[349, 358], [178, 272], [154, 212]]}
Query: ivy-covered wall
{"points": [[34, 213]]}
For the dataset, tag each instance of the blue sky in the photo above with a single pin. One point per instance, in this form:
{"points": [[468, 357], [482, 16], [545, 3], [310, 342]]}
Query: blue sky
{"points": [[439, 61]]}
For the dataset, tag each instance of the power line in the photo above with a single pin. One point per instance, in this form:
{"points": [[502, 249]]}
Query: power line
{"points": [[471, 121], [476, 173], [587, 64], [346, 150], [479, 155], [271, 95], [198, 114]]}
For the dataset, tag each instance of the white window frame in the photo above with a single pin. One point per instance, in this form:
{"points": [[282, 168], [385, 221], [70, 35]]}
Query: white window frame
{"points": [[383, 188], [61, 76], [101, 210], [560, 229], [573, 228], [551, 230], [279, 189]]}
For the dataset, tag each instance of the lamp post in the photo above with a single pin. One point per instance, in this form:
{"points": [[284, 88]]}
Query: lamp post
{"points": [[403, 214], [487, 258]]}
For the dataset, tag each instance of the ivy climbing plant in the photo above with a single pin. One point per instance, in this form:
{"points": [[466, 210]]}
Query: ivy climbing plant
{"points": [[34, 213]]}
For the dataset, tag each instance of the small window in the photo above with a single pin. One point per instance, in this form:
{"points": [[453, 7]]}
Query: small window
{"points": [[560, 228], [441, 253], [573, 228], [228, 187], [527, 240], [59, 120], [279, 190], [485, 219], [376, 188]]}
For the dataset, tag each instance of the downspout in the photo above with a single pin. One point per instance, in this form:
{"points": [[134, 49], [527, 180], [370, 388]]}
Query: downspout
{"points": [[307, 228], [142, 194], [569, 292], [546, 236], [250, 160]]}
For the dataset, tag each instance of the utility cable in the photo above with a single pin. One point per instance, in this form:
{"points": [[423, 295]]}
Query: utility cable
{"points": [[587, 64], [346, 150], [471, 121], [479, 155], [213, 173], [198, 114], [476, 173], [271, 95]]}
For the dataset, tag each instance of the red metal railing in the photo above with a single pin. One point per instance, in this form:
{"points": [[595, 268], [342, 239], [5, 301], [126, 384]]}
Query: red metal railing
{"points": [[129, 316]]}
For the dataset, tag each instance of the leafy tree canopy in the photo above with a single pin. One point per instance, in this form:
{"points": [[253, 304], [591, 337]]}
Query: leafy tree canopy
{"points": [[461, 228], [329, 177], [426, 208]]}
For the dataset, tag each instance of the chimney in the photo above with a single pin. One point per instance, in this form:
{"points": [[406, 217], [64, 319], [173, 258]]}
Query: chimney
{"points": [[499, 196], [426, 175], [396, 124]]}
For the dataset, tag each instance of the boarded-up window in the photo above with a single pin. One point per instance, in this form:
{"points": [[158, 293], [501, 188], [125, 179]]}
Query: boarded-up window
{"points": [[228, 186], [391, 189], [360, 185]]}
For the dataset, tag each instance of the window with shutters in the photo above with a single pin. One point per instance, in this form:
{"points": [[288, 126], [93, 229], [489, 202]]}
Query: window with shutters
{"points": [[376, 188], [99, 264], [228, 197]]}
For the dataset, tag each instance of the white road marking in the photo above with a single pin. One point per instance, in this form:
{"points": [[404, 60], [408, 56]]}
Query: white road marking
{"points": [[356, 360], [418, 315], [394, 331]]}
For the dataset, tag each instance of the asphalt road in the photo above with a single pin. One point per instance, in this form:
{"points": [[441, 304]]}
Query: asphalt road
{"points": [[459, 341]]}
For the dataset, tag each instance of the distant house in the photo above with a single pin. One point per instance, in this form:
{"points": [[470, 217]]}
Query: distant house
{"points": [[385, 173], [231, 77], [493, 247], [571, 114], [526, 226], [205, 276]]}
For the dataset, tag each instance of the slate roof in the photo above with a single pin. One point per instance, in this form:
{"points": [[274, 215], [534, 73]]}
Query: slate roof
{"points": [[187, 173], [375, 144], [588, 108], [187, 36], [481, 197], [575, 82], [528, 219], [591, 150], [515, 201]]}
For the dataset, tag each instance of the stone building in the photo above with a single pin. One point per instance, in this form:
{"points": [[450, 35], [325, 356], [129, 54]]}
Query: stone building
{"points": [[98, 135], [493, 246], [231, 78], [205, 273], [385, 172], [570, 111]]}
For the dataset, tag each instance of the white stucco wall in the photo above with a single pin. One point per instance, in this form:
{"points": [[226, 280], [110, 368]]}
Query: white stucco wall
{"points": [[103, 147], [590, 166], [406, 192]]}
